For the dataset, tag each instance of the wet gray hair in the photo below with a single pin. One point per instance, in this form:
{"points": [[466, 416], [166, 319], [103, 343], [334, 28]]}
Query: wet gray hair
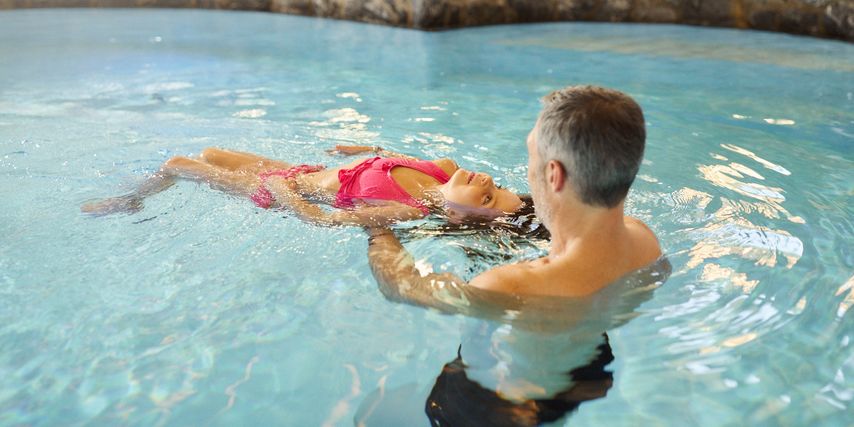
{"points": [[598, 135]]}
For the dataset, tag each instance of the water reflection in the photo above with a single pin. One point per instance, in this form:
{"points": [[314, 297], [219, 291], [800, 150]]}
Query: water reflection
{"points": [[846, 291], [738, 231], [712, 272], [730, 232], [433, 144], [680, 47], [742, 238], [345, 125]]}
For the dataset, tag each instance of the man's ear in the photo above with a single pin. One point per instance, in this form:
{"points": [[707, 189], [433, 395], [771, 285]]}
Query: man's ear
{"points": [[555, 175]]}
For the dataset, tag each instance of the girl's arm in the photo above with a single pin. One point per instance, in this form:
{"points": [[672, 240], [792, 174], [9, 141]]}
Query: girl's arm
{"points": [[350, 150], [369, 216]]}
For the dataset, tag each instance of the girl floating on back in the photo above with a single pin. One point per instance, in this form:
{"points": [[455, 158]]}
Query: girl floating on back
{"points": [[379, 190]]}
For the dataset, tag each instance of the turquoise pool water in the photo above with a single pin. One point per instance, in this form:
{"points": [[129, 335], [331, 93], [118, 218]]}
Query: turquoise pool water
{"points": [[204, 310]]}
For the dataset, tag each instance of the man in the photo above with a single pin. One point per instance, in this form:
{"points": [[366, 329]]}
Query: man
{"points": [[583, 154]]}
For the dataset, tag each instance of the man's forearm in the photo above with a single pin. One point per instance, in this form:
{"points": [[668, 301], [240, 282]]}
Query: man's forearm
{"points": [[392, 266], [399, 279]]}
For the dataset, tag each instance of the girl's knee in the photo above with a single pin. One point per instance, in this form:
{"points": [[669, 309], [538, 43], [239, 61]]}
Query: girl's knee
{"points": [[210, 153], [176, 163]]}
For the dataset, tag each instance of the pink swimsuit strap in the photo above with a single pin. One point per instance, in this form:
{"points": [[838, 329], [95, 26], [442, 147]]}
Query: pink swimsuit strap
{"points": [[372, 180], [263, 198]]}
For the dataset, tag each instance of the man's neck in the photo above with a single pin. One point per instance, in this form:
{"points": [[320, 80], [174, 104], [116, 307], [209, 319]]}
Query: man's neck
{"points": [[575, 228]]}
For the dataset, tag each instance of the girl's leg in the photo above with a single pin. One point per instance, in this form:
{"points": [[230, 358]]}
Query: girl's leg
{"points": [[131, 202], [223, 179], [175, 168], [240, 162]]}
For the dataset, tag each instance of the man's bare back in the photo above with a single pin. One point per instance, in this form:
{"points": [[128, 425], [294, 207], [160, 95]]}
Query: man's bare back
{"points": [[584, 270]]}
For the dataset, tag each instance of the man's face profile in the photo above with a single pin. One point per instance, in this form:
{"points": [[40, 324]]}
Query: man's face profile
{"points": [[536, 178]]}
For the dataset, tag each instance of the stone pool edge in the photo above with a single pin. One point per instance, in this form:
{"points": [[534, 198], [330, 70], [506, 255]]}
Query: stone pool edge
{"points": [[817, 18]]}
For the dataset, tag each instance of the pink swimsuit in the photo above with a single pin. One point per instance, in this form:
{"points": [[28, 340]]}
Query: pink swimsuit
{"points": [[369, 180], [263, 198]]}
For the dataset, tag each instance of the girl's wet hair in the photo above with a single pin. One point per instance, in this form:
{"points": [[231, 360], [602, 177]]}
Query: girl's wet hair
{"points": [[462, 214], [504, 236], [525, 222], [521, 224]]}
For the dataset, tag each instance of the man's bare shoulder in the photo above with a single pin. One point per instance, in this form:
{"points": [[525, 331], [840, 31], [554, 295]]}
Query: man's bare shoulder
{"points": [[577, 275], [643, 238], [540, 277], [509, 278]]}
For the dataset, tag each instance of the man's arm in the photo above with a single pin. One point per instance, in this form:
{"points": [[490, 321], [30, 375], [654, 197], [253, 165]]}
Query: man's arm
{"points": [[491, 295], [399, 280]]}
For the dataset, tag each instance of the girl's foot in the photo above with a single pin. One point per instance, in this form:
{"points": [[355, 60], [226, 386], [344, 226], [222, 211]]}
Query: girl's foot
{"points": [[112, 205]]}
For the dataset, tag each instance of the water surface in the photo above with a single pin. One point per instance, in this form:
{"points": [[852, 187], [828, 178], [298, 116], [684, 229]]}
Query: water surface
{"points": [[202, 309]]}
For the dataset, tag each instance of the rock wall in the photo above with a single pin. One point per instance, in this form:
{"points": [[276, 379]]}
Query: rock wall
{"points": [[398, 13], [820, 18], [261, 5]]}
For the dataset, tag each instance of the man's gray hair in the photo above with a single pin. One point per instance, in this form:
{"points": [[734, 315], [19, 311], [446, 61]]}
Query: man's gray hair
{"points": [[598, 135]]}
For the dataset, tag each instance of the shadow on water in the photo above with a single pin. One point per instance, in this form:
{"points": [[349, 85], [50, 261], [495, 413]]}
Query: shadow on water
{"points": [[521, 361]]}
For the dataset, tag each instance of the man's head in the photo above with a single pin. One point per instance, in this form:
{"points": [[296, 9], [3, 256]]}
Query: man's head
{"points": [[589, 140]]}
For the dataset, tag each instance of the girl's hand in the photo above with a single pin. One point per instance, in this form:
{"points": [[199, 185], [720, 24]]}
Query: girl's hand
{"points": [[349, 150], [288, 193], [293, 188]]}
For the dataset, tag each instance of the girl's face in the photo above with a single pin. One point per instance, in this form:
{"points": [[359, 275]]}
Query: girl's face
{"points": [[477, 190]]}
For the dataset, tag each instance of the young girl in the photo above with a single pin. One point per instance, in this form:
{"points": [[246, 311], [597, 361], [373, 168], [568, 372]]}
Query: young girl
{"points": [[376, 191]]}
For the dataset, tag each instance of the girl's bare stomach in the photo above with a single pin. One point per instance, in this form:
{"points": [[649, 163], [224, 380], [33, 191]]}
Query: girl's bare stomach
{"points": [[326, 181], [323, 184]]}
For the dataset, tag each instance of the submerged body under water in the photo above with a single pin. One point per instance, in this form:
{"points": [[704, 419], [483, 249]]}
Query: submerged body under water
{"points": [[522, 361], [202, 308]]}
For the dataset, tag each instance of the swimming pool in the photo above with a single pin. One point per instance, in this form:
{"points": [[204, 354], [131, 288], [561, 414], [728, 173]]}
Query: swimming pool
{"points": [[204, 309]]}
